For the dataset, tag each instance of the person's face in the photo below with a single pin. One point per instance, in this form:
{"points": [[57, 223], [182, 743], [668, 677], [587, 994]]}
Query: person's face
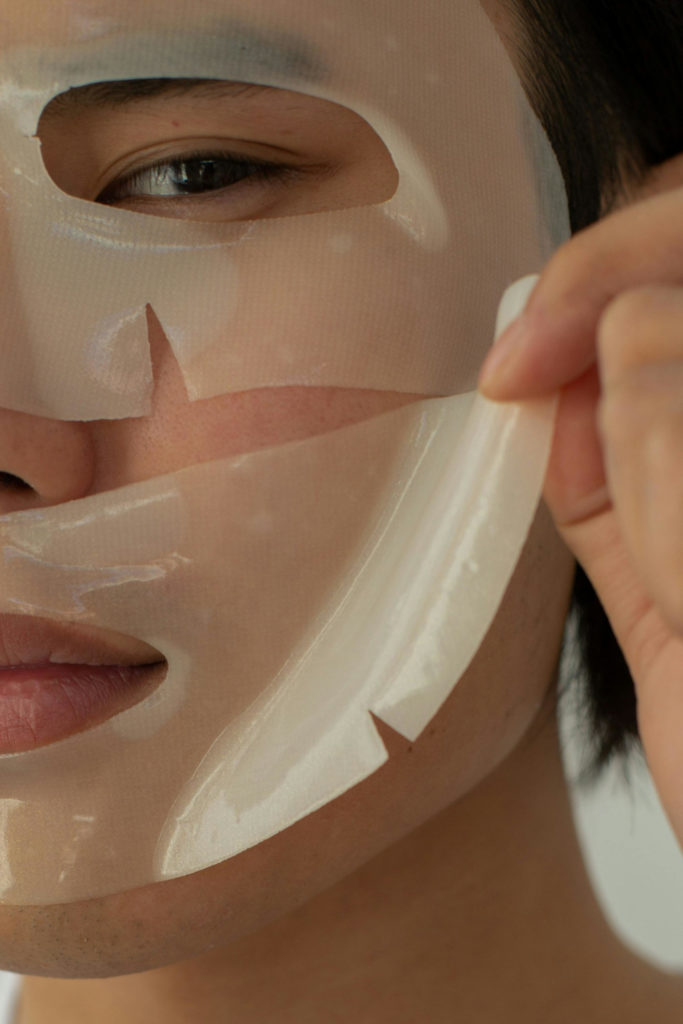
{"points": [[99, 150], [102, 153]]}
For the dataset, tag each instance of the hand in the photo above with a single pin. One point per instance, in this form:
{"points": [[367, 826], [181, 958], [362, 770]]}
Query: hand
{"points": [[604, 327]]}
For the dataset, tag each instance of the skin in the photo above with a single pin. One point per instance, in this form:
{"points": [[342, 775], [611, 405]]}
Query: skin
{"points": [[611, 313], [455, 864]]}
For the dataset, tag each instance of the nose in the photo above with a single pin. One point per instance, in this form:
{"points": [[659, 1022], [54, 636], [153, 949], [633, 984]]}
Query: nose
{"points": [[42, 461]]}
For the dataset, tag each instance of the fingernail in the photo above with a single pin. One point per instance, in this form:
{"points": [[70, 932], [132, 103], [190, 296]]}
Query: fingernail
{"points": [[499, 365]]}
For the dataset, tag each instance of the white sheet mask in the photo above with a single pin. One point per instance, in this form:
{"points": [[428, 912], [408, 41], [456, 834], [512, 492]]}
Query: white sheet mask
{"points": [[295, 589]]}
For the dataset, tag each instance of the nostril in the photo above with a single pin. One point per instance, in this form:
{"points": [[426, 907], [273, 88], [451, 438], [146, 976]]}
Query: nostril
{"points": [[10, 482], [43, 462]]}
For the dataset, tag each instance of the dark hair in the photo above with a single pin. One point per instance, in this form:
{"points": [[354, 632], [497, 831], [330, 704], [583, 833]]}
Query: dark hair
{"points": [[606, 79]]}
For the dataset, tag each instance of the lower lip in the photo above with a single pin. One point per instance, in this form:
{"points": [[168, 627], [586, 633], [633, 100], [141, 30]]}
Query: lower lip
{"points": [[45, 703]]}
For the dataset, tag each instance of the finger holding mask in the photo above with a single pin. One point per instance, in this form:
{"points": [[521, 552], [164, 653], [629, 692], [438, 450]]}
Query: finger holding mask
{"points": [[252, 202]]}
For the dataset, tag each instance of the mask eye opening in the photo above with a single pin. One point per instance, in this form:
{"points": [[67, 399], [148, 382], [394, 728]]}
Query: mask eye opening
{"points": [[212, 151]]}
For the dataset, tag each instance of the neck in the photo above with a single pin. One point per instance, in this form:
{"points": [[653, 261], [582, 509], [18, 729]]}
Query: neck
{"points": [[485, 914]]}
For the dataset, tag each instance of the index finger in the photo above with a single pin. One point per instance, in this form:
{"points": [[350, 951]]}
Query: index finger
{"points": [[554, 341]]}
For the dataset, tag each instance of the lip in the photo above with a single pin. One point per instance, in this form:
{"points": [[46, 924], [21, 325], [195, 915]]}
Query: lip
{"points": [[58, 679]]}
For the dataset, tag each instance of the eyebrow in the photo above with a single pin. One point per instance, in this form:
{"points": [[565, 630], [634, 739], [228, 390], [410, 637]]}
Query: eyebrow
{"points": [[120, 93]]}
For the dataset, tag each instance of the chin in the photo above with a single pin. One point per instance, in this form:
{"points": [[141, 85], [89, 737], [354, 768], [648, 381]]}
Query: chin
{"points": [[481, 724]]}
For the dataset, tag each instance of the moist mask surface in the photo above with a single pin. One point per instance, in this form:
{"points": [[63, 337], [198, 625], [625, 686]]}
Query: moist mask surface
{"points": [[296, 589]]}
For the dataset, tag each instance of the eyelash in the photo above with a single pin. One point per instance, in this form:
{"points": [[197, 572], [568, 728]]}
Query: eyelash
{"points": [[258, 172]]}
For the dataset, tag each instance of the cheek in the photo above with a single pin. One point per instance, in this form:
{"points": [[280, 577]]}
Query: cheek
{"points": [[505, 687], [491, 709], [248, 421], [181, 433]]}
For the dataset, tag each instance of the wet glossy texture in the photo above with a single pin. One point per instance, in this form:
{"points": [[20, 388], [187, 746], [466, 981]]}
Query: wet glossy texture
{"points": [[295, 589]]}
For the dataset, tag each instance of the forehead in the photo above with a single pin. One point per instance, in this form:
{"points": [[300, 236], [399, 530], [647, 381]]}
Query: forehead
{"points": [[29, 23], [418, 64], [34, 23]]}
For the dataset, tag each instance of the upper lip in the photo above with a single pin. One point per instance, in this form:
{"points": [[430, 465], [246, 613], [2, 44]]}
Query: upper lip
{"points": [[29, 641]]}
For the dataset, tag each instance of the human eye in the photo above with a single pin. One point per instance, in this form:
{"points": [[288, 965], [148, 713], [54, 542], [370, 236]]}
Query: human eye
{"points": [[193, 177], [211, 151]]}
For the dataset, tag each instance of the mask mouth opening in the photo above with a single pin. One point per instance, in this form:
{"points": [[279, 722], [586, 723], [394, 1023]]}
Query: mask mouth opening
{"points": [[58, 679]]}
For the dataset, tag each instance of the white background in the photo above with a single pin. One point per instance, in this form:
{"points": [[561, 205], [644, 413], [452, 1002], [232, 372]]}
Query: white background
{"points": [[632, 856]]}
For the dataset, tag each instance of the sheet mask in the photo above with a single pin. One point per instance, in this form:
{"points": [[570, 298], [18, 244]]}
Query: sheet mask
{"points": [[295, 589]]}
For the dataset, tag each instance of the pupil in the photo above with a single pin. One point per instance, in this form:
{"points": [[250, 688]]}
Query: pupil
{"points": [[208, 175]]}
